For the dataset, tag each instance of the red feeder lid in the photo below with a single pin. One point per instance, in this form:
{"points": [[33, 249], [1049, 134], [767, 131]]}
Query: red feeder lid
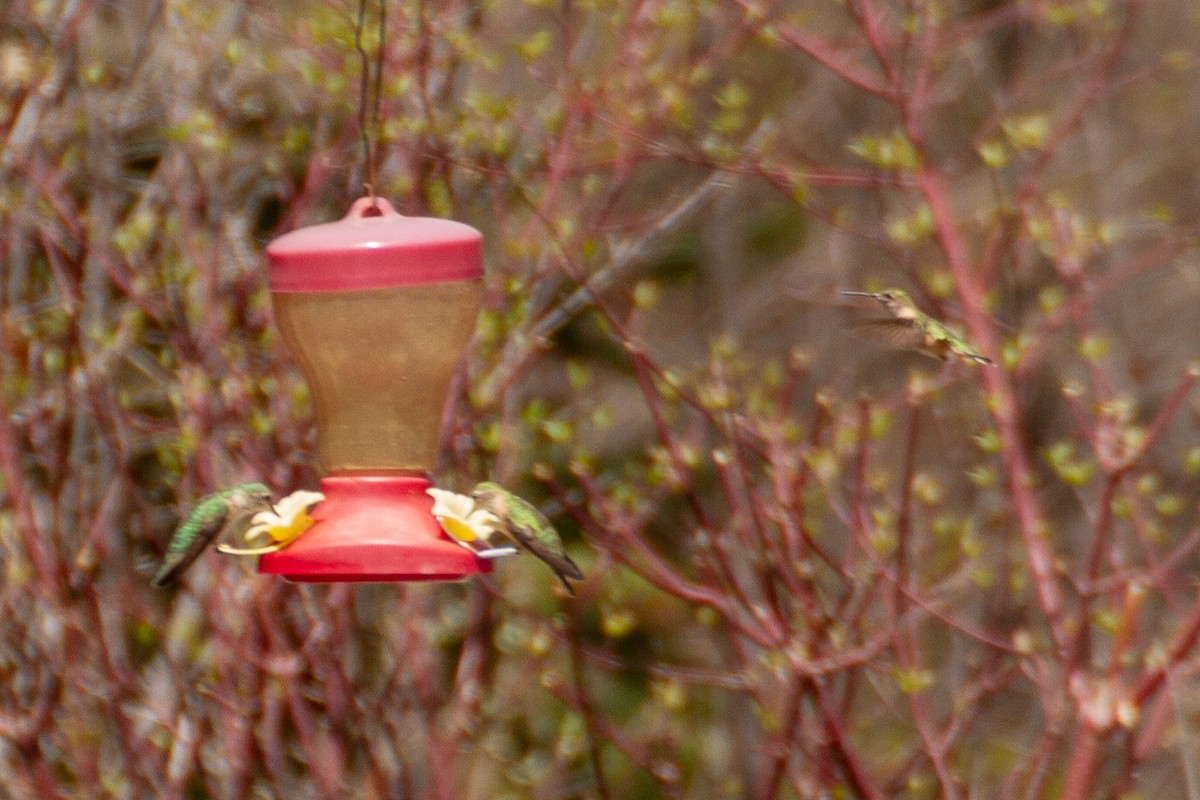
{"points": [[374, 247]]}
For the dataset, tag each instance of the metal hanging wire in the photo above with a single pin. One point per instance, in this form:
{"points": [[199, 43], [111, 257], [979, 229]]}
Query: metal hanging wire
{"points": [[370, 96]]}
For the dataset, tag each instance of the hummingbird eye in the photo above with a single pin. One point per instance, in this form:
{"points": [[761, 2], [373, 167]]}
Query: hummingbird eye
{"points": [[889, 296]]}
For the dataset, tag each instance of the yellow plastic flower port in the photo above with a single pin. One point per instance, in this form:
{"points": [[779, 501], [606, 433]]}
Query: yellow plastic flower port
{"points": [[274, 530], [467, 525]]}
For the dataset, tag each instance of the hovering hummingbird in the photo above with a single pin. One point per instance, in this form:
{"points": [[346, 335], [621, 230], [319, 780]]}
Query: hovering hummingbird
{"points": [[529, 528], [911, 329], [228, 511]]}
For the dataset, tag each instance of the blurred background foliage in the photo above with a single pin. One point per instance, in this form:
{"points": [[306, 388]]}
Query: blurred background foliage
{"points": [[816, 568]]}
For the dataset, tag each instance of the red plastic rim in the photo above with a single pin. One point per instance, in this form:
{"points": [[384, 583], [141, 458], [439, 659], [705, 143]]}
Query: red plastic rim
{"points": [[373, 527]]}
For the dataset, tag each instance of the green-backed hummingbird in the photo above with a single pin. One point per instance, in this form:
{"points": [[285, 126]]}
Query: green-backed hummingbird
{"points": [[228, 512], [911, 329], [529, 528]]}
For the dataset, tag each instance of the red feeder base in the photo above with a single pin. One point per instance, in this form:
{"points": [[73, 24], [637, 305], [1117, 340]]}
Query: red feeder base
{"points": [[373, 528]]}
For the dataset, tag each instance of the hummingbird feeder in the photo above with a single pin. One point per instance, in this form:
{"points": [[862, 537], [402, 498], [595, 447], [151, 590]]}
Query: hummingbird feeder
{"points": [[376, 308]]}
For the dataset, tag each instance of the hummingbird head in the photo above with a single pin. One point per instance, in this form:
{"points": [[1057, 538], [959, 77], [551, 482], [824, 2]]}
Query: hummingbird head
{"points": [[251, 495], [488, 494], [896, 301]]}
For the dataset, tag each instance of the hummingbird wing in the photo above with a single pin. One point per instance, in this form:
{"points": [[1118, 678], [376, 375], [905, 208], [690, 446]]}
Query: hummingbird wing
{"points": [[904, 334], [954, 343], [543, 541], [192, 536], [211, 520], [237, 524], [562, 565]]}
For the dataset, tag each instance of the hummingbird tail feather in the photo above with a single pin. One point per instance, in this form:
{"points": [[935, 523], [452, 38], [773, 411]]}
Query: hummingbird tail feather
{"points": [[574, 572], [174, 567], [560, 563], [166, 574], [567, 584]]}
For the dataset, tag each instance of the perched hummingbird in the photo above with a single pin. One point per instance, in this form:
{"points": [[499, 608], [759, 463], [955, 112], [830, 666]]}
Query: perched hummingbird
{"points": [[228, 512], [529, 528], [911, 329]]}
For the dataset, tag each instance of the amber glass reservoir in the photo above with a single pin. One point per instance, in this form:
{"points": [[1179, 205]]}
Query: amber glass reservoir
{"points": [[378, 363], [376, 310]]}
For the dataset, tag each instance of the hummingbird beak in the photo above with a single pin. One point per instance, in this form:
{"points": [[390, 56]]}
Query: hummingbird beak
{"points": [[859, 294]]}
